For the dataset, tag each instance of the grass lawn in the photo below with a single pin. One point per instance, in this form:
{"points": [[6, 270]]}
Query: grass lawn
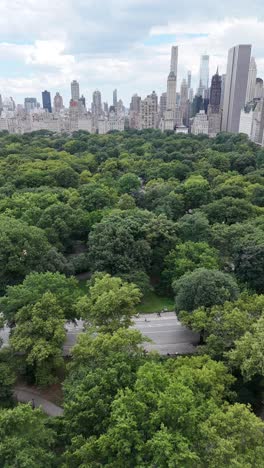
{"points": [[153, 303]]}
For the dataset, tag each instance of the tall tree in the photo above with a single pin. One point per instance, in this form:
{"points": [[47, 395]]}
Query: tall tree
{"points": [[39, 336], [25, 440], [110, 304]]}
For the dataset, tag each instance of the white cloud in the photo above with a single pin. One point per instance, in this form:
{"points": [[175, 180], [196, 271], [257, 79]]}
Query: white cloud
{"points": [[105, 44]]}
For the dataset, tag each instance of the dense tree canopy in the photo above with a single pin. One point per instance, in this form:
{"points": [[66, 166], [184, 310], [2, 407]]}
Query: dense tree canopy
{"points": [[90, 225]]}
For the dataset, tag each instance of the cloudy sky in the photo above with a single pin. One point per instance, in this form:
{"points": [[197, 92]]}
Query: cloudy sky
{"points": [[123, 44]]}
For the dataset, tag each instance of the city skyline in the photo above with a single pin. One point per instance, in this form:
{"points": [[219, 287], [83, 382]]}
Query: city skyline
{"points": [[117, 46]]}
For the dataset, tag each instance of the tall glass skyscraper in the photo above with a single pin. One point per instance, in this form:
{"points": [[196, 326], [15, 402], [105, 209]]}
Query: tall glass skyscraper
{"points": [[46, 101], [204, 71], [235, 86]]}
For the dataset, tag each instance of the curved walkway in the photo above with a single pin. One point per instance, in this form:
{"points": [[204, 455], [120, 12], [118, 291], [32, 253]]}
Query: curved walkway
{"points": [[26, 395]]}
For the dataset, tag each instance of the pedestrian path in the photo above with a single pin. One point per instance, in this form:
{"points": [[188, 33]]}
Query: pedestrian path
{"points": [[23, 394]]}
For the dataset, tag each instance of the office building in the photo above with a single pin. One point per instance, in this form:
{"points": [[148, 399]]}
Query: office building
{"points": [[204, 72], [46, 101], [223, 80], [214, 111], [251, 84], [235, 86]]}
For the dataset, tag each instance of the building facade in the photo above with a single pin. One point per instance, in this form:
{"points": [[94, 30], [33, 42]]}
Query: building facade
{"points": [[46, 101], [235, 86]]}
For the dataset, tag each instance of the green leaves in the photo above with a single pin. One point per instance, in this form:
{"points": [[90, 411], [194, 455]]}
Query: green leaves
{"points": [[25, 441], [39, 336], [110, 304], [205, 288]]}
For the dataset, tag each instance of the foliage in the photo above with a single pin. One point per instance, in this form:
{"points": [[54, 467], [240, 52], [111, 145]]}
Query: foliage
{"points": [[222, 325], [25, 439], [248, 353], [187, 257], [204, 288], [39, 336], [139, 212], [110, 304], [34, 286]]}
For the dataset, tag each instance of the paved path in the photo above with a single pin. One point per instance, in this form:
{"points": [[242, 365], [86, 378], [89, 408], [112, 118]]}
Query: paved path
{"points": [[169, 336], [27, 395]]}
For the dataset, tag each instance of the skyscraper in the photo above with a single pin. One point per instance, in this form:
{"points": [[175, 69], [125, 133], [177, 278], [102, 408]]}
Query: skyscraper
{"points": [[184, 103], [58, 102], [163, 103], [30, 104], [189, 79], [174, 60], [215, 92], [235, 86], [171, 91], [148, 111], [258, 93], [135, 103], [204, 71], [75, 90], [97, 103], [46, 101], [251, 84], [115, 98], [223, 80], [172, 80], [214, 111]]}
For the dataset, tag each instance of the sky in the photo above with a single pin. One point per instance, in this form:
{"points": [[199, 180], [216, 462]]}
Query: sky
{"points": [[123, 44]]}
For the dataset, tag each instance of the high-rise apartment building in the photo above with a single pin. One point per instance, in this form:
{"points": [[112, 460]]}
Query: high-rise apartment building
{"points": [[172, 80], [57, 102], [235, 86], [75, 90], [174, 60], [258, 94], [200, 124], [184, 103], [251, 84], [46, 101], [115, 98], [189, 79], [204, 71], [97, 103], [30, 103], [149, 111], [135, 103], [162, 104], [171, 91]]}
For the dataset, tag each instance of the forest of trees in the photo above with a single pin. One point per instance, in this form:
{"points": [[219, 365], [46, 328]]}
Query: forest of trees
{"points": [[180, 216]]}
